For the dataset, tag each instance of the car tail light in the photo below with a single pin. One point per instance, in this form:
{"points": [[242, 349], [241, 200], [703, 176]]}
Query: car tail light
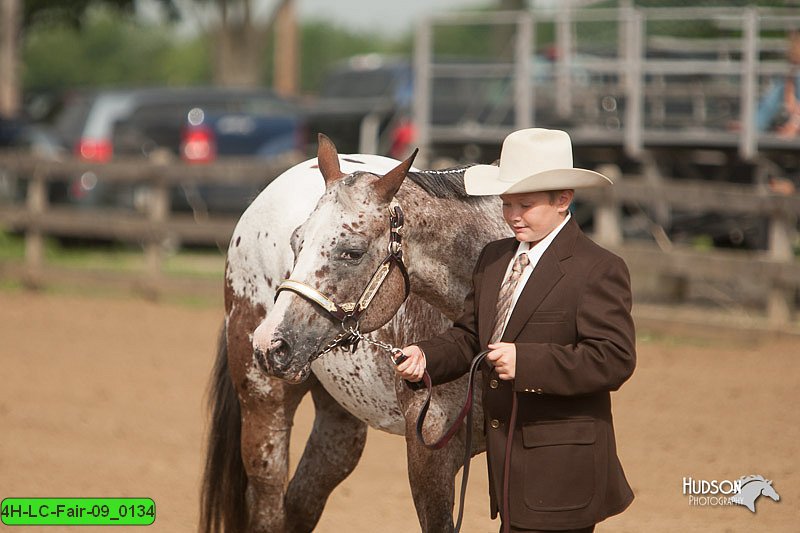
{"points": [[402, 138], [198, 145], [99, 150]]}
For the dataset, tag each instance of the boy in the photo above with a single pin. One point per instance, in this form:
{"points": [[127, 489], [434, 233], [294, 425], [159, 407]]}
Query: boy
{"points": [[554, 309]]}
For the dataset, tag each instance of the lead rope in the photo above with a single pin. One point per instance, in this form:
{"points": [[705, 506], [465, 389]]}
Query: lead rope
{"points": [[398, 357], [512, 421]]}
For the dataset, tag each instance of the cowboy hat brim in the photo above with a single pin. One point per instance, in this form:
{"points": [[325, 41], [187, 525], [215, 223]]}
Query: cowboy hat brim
{"points": [[484, 180]]}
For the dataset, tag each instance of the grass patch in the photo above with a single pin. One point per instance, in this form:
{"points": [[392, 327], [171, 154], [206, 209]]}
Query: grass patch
{"points": [[116, 257], [196, 301], [12, 247], [11, 285], [208, 264]]}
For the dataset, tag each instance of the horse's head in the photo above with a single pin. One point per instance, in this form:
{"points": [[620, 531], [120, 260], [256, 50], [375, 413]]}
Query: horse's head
{"points": [[341, 249], [768, 490]]}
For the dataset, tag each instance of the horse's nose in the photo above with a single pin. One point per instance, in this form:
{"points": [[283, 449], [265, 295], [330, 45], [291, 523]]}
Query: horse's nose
{"points": [[277, 359]]}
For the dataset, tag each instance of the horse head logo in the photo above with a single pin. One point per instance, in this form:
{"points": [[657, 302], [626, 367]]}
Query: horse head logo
{"points": [[751, 488]]}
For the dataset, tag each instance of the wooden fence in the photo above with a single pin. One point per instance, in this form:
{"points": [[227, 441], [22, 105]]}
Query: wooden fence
{"points": [[777, 267], [153, 228]]}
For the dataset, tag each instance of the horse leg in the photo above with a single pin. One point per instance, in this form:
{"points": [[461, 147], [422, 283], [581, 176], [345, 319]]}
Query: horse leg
{"points": [[431, 473], [332, 452], [267, 416], [267, 408]]}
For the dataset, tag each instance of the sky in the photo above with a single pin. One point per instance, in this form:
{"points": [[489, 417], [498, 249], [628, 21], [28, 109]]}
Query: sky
{"points": [[392, 16]]}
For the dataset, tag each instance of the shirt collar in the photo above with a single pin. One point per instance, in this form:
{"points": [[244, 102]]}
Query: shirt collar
{"points": [[539, 248]]}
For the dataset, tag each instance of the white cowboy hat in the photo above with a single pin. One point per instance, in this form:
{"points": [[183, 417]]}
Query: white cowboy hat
{"points": [[532, 160]]}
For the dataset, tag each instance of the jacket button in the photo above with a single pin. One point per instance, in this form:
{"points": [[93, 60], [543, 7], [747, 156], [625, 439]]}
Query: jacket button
{"points": [[495, 423], [493, 383]]}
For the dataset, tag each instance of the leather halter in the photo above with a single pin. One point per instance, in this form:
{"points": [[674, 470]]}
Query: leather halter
{"points": [[348, 314]]}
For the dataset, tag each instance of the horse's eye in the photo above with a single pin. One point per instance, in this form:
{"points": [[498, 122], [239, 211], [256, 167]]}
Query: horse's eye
{"points": [[351, 255]]}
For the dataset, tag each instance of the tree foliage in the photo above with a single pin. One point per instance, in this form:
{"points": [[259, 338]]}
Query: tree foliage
{"points": [[323, 44], [64, 11], [109, 48]]}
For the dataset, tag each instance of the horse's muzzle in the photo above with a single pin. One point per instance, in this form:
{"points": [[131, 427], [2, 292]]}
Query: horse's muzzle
{"points": [[277, 362]]}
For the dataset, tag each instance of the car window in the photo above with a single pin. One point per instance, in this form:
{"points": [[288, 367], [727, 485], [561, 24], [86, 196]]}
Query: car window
{"points": [[107, 109], [174, 113], [216, 105], [69, 123], [266, 106], [359, 84]]}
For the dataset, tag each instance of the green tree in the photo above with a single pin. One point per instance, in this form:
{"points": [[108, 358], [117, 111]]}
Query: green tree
{"points": [[324, 44], [109, 48]]}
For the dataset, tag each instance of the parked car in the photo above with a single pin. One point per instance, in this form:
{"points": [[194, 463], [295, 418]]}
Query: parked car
{"points": [[194, 124], [360, 86], [10, 130]]}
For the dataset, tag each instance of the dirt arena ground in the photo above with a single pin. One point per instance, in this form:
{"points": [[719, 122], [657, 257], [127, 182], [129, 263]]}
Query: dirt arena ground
{"points": [[104, 396]]}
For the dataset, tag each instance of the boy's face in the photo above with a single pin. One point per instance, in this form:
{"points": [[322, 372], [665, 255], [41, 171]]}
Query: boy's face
{"points": [[533, 215]]}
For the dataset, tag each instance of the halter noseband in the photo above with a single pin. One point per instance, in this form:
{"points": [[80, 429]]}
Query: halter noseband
{"points": [[348, 314]]}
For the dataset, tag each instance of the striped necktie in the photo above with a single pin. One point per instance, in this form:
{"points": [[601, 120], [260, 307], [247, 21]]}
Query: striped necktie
{"points": [[507, 296]]}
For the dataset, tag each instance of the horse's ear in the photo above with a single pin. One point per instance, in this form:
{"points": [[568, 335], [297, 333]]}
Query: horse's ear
{"points": [[390, 183], [328, 160]]}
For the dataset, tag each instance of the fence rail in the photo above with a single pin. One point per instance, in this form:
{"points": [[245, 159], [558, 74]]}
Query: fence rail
{"points": [[154, 228], [627, 75], [776, 267]]}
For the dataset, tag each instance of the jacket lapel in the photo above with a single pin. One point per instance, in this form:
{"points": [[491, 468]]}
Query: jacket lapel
{"points": [[493, 276], [544, 277]]}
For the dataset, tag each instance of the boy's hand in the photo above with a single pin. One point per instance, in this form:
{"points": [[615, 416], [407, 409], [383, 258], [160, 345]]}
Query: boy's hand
{"points": [[503, 356], [413, 367]]}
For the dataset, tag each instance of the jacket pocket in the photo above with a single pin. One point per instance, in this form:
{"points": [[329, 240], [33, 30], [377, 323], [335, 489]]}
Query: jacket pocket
{"points": [[544, 317], [559, 464]]}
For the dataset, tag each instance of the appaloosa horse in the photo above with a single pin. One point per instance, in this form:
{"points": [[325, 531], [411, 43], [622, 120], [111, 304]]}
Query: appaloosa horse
{"points": [[264, 365]]}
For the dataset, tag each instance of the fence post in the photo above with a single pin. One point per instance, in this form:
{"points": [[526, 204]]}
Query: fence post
{"points": [[564, 53], [748, 140], [369, 133], [524, 96], [423, 81], [780, 298], [36, 202], [607, 218], [634, 83], [157, 214]]}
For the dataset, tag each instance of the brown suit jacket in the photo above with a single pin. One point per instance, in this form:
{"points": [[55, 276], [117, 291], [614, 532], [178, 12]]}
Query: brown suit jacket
{"points": [[575, 343]]}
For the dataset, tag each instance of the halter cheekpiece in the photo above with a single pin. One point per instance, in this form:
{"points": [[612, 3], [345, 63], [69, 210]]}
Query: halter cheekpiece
{"points": [[349, 314]]}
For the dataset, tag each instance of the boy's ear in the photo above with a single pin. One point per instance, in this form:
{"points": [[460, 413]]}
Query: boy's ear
{"points": [[565, 198]]}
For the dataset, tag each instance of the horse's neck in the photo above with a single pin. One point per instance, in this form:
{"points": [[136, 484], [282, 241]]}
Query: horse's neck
{"points": [[444, 237], [752, 489]]}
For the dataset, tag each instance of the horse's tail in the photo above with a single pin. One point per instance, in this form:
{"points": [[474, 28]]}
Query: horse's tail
{"points": [[222, 499]]}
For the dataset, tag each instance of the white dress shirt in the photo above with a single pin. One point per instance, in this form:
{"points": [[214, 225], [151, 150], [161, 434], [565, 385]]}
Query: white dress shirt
{"points": [[534, 254]]}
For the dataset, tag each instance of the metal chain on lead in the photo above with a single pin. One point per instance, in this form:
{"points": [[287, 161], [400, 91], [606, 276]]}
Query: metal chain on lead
{"points": [[333, 344], [353, 333], [380, 344]]}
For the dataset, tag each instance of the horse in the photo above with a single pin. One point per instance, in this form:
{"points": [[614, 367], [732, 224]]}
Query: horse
{"points": [[329, 233], [751, 488]]}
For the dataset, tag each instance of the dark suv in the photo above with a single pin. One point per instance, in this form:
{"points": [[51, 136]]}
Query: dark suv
{"points": [[194, 124]]}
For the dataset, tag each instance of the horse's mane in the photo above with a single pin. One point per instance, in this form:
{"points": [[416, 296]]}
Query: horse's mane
{"points": [[445, 183], [747, 479]]}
